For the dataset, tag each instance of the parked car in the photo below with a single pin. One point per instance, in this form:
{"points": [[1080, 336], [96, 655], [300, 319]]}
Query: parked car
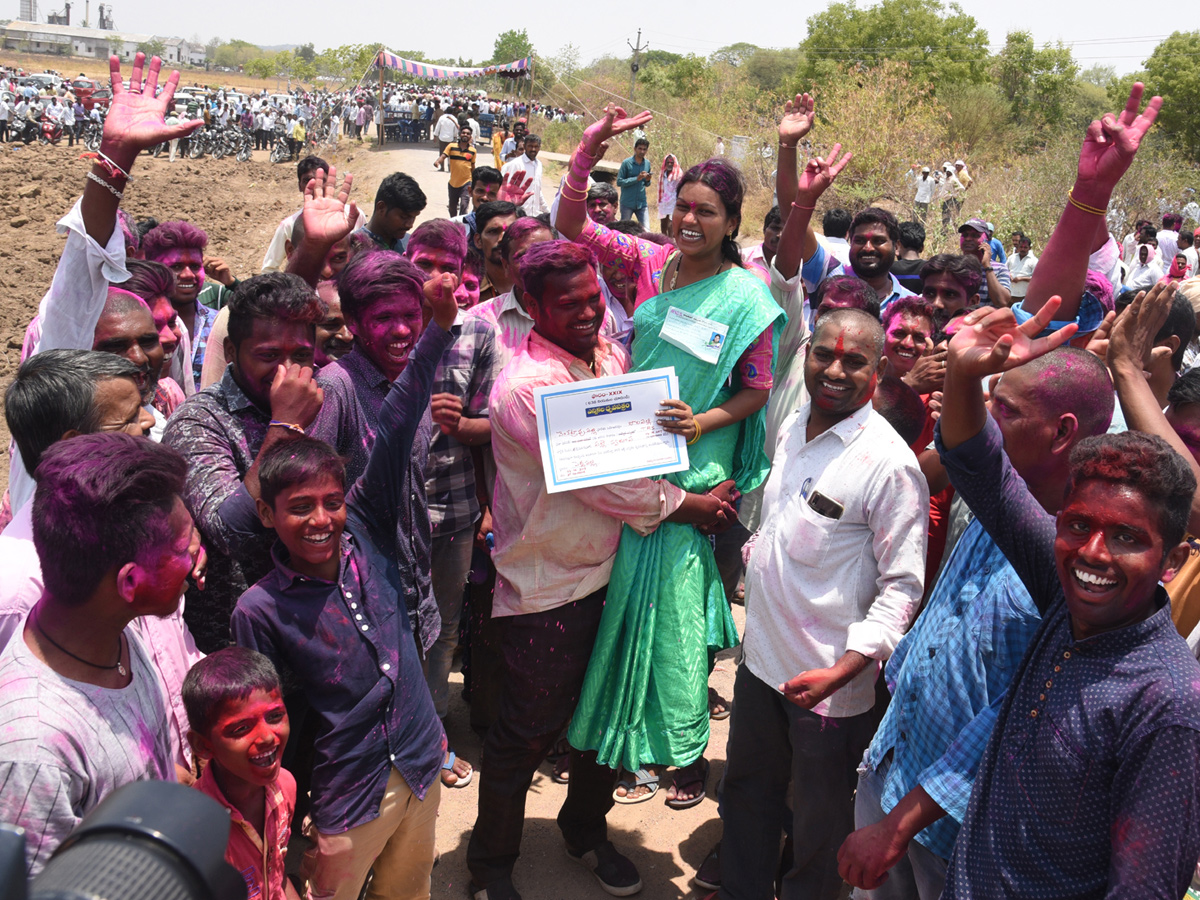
{"points": [[44, 81], [101, 97]]}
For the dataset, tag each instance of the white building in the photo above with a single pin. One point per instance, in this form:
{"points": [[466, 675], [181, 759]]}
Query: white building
{"points": [[71, 40]]}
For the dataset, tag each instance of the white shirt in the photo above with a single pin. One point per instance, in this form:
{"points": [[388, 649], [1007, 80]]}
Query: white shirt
{"points": [[536, 204], [1193, 259], [1021, 265], [1168, 243], [446, 128], [925, 189], [839, 248], [817, 587]]}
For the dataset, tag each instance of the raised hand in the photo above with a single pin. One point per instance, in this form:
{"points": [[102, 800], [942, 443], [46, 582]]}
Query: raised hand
{"points": [[515, 188], [1111, 143], [797, 120], [614, 121], [136, 118], [990, 341], [819, 174], [439, 295], [327, 214], [1131, 339]]}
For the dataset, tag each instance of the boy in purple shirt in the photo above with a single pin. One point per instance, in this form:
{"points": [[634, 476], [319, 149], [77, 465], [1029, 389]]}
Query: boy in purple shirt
{"points": [[331, 614]]}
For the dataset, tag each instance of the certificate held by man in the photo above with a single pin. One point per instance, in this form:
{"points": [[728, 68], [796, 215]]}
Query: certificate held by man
{"points": [[605, 430]]}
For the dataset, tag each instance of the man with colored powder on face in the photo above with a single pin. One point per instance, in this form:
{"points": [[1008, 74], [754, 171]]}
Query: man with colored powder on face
{"points": [[1099, 733], [459, 409], [266, 393], [530, 168], [554, 554], [833, 580], [84, 711], [485, 188], [913, 790]]}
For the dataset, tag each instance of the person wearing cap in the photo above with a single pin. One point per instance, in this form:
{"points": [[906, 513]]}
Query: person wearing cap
{"points": [[925, 186], [996, 244], [960, 169], [973, 241]]}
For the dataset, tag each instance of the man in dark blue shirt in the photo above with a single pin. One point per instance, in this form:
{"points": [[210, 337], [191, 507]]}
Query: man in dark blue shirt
{"points": [[1088, 786], [331, 614]]}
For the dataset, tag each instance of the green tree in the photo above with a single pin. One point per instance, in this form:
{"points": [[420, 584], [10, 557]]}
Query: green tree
{"points": [[770, 69], [306, 52], [236, 53], [1099, 74], [690, 77], [1173, 72], [1038, 83], [153, 47], [940, 44], [979, 116], [263, 67], [511, 45], [735, 54], [210, 48]]}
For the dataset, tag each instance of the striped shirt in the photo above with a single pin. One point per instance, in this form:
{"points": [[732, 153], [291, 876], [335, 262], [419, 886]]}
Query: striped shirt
{"points": [[67, 745]]}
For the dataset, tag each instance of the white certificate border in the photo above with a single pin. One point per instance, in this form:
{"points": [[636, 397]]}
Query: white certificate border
{"points": [[666, 375]]}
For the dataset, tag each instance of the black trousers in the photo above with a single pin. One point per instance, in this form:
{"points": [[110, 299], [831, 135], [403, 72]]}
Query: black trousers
{"points": [[546, 657], [771, 742]]}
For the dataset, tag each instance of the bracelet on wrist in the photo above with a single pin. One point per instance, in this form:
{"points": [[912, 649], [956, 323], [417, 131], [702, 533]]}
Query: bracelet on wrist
{"points": [[695, 422], [1094, 210], [290, 426], [796, 205]]}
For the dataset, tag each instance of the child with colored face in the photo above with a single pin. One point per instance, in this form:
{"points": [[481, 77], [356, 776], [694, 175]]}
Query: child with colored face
{"points": [[239, 728]]}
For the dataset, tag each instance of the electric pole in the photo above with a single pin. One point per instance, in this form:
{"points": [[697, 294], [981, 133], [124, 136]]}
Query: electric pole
{"points": [[633, 66]]}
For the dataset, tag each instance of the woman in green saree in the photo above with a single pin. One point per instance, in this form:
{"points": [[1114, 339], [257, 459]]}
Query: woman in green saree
{"points": [[645, 699]]}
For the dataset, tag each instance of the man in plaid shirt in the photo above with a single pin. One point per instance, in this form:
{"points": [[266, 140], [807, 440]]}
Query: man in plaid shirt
{"points": [[461, 387]]}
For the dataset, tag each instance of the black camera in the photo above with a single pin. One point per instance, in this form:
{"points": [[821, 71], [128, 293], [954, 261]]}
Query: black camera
{"points": [[150, 840]]}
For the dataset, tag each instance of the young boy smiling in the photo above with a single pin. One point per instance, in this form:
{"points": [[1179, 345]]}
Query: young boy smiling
{"points": [[331, 613], [240, 726]]}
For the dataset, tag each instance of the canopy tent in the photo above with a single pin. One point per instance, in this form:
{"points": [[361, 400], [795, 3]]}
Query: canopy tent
{"points": [[520, 68]]}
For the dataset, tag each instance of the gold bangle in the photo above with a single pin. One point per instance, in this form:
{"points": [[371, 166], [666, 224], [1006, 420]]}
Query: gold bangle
{"points": [[695, 422], [1095, 211], [582, 193]]}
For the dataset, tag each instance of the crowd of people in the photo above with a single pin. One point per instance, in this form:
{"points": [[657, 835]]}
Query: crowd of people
{"points": [[956, 493]]}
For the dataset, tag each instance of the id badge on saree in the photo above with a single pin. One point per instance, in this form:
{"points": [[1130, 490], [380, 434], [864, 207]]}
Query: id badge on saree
{"points": [[702, 338]]}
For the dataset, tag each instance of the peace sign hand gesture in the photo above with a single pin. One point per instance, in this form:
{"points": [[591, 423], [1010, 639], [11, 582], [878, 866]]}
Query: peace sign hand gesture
{"points": [[819, 174], [1111, 144]]}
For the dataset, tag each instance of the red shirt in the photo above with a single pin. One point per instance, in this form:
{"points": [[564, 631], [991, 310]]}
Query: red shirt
{"points": [[245, 848]]}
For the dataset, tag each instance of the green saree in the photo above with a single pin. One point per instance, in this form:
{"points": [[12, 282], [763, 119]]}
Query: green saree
{"points": [[645, 697]]}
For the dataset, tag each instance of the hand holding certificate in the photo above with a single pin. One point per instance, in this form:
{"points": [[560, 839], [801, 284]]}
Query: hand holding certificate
{"points": [[606, 430]]}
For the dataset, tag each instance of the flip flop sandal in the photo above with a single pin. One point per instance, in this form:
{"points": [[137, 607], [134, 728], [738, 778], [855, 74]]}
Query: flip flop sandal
{"points": [[700, 778], [721, 714], [463, 780], [632, 780], [561, 748], [560, 772]]}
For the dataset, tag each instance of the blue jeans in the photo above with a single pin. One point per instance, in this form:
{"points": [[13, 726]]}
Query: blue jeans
{"points": [[628, 212], [920, 873]]}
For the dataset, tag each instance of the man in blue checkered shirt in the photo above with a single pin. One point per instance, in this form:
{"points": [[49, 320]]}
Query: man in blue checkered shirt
{"points": [[950, 672]]}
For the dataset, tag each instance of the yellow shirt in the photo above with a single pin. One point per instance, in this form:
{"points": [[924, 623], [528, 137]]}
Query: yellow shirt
{"points": [[462, 164], [298, 130], [497, 144]]}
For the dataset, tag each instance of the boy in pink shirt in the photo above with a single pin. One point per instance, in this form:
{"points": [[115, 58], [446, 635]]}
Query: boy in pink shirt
{"points": [[239, 726]]}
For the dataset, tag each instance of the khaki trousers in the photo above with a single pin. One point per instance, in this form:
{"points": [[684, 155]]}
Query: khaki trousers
{"points": [[399, 845]]}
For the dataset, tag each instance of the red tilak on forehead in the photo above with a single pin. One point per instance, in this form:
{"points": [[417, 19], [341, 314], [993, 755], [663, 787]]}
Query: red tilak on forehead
{"points": [[840, 346]]}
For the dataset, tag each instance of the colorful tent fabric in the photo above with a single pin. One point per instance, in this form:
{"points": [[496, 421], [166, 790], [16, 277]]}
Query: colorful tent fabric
{"points": [[516, 69]]}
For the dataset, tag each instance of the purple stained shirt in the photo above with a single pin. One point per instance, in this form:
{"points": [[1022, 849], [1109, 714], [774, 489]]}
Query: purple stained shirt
{"points": [[220, 431], [347, 642], [1088, 786]]}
